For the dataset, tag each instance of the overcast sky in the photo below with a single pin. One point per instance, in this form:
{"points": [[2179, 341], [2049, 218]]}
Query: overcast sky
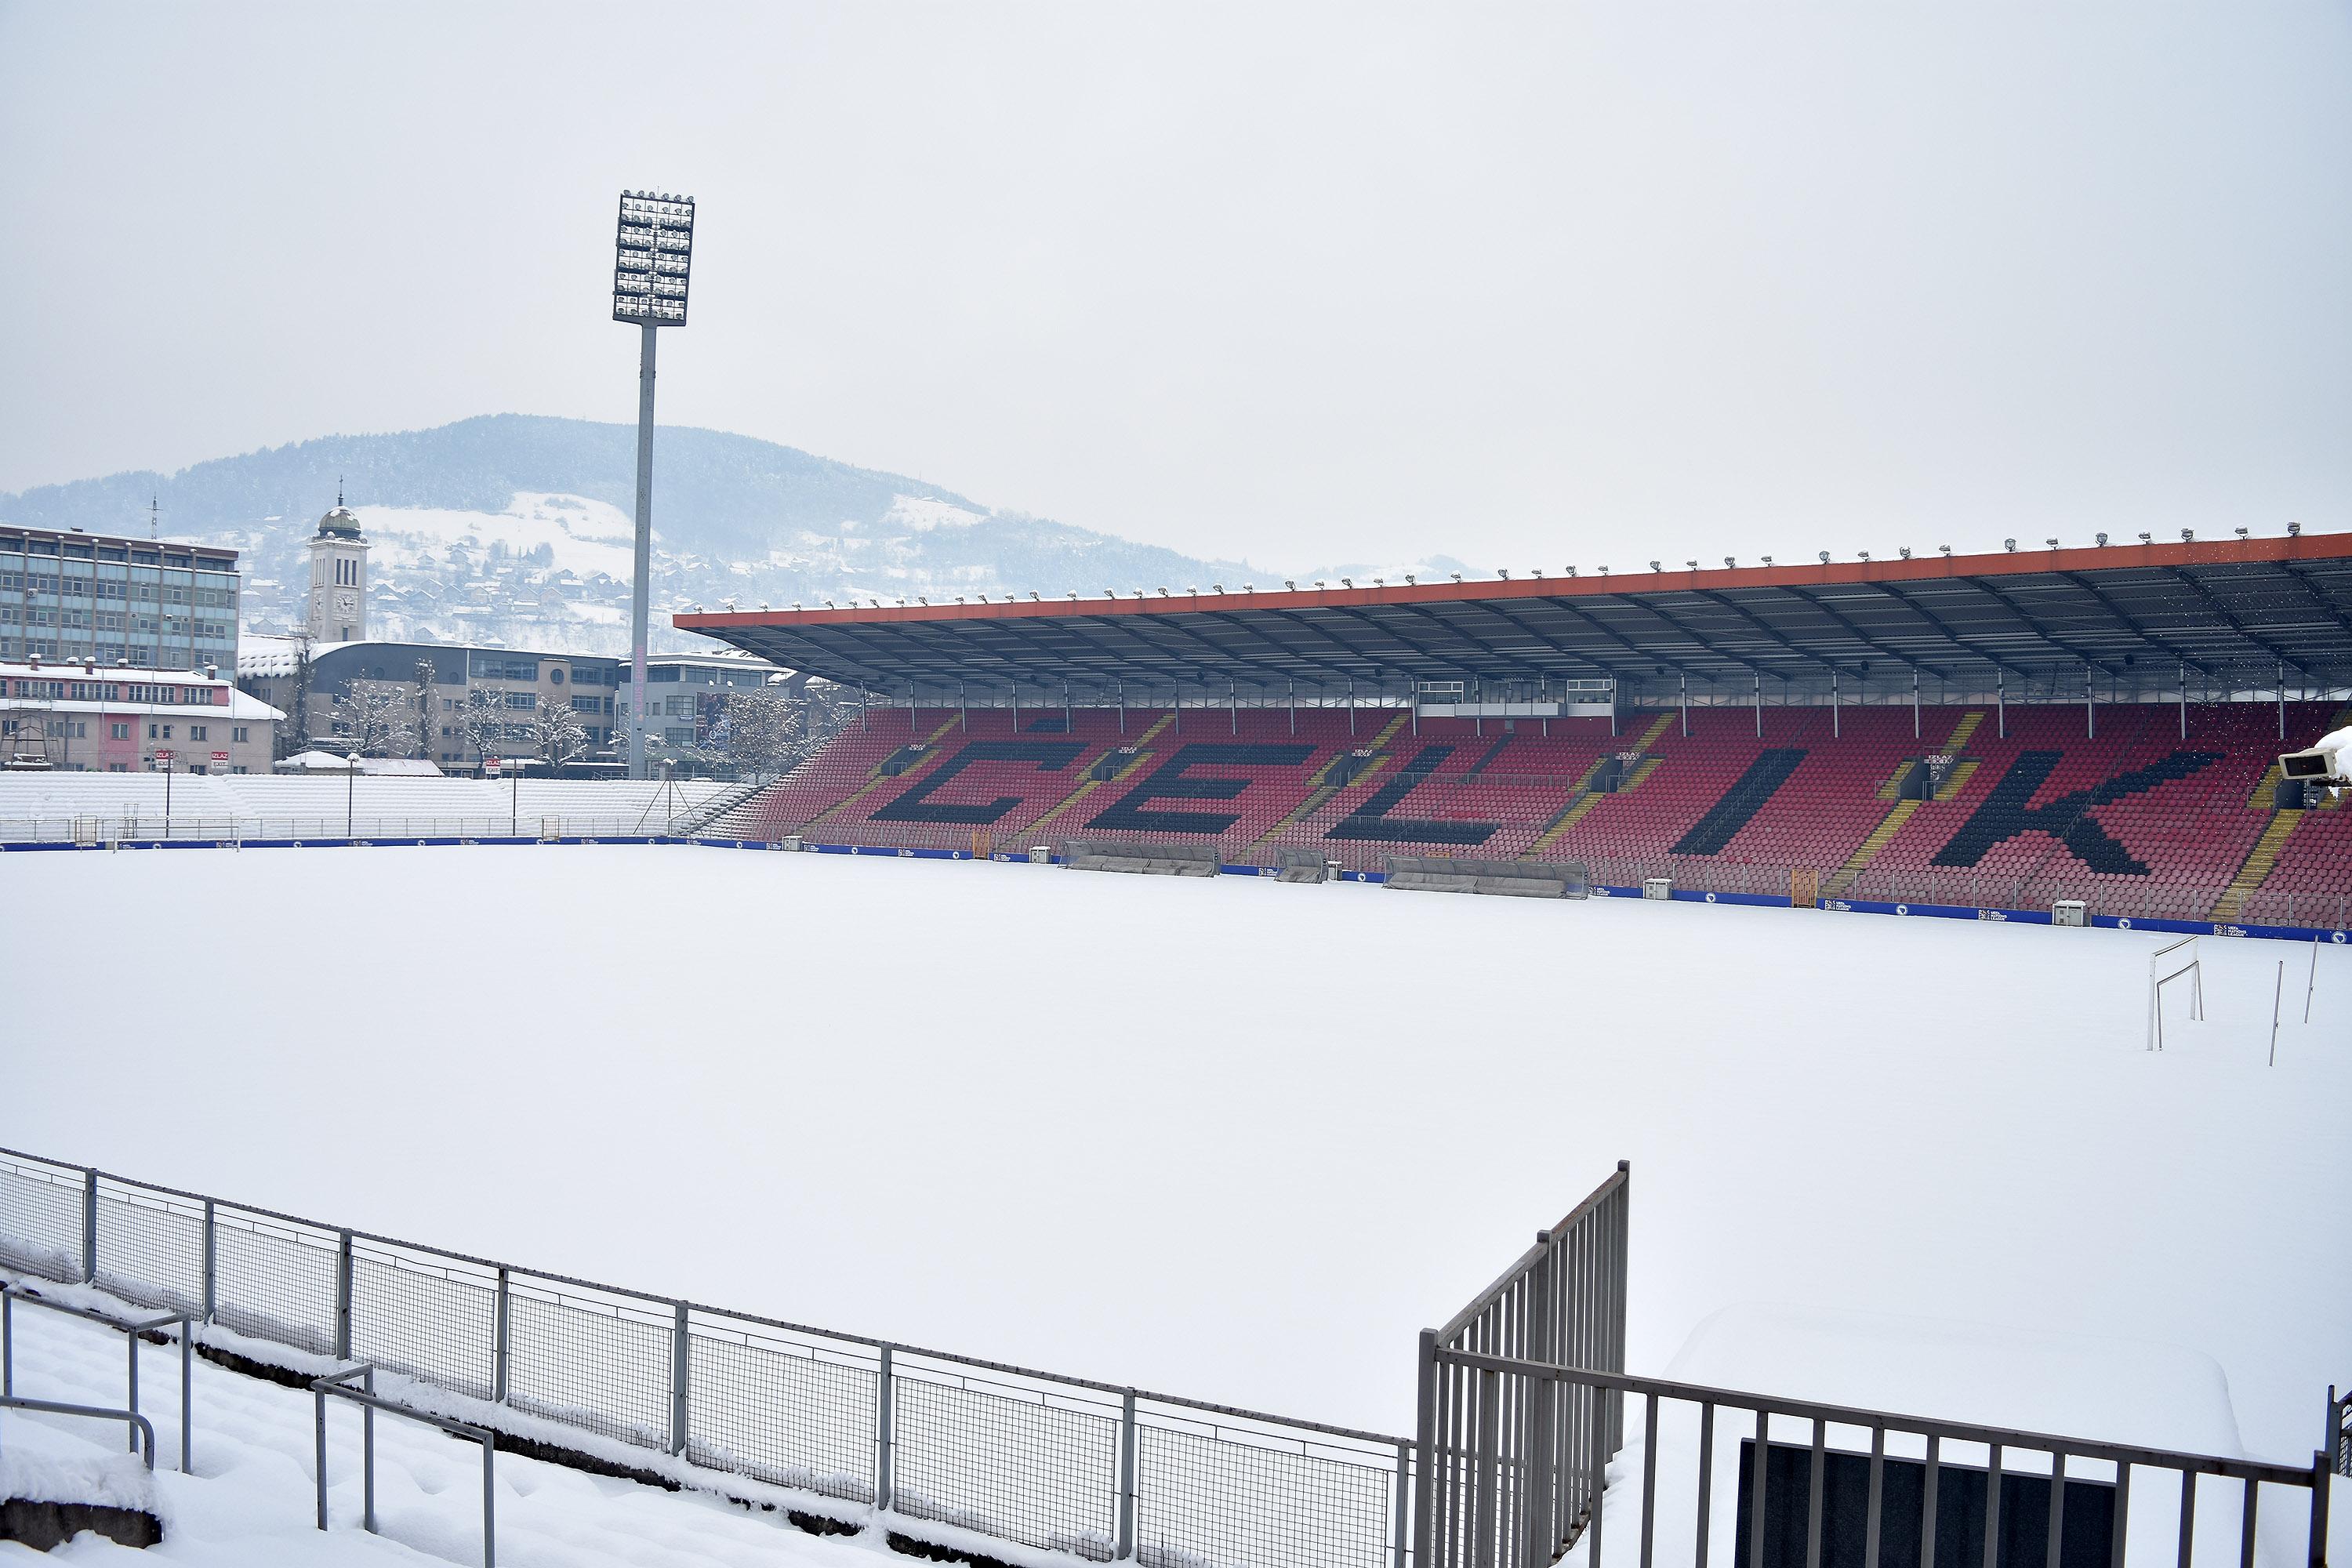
{"points": [[1309, 284]]}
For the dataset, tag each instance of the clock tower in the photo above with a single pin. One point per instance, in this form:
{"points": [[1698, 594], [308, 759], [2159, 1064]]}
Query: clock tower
{"points": [[338, 606]]}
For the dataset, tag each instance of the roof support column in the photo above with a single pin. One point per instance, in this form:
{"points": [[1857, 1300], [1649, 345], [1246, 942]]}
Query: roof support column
{"points": [[1759, 702], [1294, 708], [1834, 732], [963, 710], [1122, 707], [1233, 708], [1685, 705], [2000, 701], [1352, 708], [2184, 700], [1068, 722], [1915, 701], [2282, 699], [2090, 706], [1016, 707]]}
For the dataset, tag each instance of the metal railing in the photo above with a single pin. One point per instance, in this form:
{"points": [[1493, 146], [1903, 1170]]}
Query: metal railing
{"points": [[339, 1386], [132, 1329], [182, 828], [1837, 1500], [140, 1427], [1511, 1466], [1045, 1460]]}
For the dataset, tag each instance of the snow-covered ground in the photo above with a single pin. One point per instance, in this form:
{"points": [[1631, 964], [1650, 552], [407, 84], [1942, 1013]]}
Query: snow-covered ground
{"points": [[252, 1497], [1226, 1138]]}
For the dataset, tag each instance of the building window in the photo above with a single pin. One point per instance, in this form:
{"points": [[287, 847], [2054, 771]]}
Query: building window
{"points": [[120, 731], [198, 732], [238, 733]]}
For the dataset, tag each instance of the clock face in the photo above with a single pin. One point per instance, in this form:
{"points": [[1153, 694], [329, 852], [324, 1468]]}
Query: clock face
{"points": [[347, 602]]}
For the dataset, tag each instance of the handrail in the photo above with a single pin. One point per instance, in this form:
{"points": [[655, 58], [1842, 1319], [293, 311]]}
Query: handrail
{"points": [[338, 1385], [54, 1407], [1529, 1258], [10, 1293], [2258, 1471]]}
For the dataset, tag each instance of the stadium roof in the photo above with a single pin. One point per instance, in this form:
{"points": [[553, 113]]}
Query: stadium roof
{"points": [[2241, 606]]}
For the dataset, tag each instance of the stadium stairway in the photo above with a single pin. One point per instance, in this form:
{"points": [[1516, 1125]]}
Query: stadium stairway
{"points": [[2263, 859], [1583, 799], [1320, 789], [1902, 811]]}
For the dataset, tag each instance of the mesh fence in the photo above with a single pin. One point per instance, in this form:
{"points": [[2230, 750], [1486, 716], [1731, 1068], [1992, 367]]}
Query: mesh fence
{"points": [[1206, 1498], [1026, 1458], [1044, 1475], [151, 1248], [429, 1318], [40, 1219], [777, 1411], [273, 1280], [599, 1365]]}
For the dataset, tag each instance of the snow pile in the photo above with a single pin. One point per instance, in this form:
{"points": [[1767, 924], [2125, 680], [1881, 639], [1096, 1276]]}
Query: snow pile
{"points": [[42, 1474]]}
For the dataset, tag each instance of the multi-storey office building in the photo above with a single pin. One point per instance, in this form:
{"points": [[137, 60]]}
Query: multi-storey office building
{"points": [[78, 597], [81, 718], [683, 691]]}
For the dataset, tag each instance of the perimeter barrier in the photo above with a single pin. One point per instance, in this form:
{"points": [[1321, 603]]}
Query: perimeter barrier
{"points": [[1056, 1463]]}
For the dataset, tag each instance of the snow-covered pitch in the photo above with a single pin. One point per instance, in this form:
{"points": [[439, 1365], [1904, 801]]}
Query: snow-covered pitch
{"points": [[1230, 1139]]}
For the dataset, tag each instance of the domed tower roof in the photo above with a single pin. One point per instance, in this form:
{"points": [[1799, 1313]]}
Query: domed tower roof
{"points": [[342, 522]]}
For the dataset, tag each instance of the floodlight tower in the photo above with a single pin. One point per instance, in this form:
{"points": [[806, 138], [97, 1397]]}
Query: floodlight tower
{"points": [[653, 252]]}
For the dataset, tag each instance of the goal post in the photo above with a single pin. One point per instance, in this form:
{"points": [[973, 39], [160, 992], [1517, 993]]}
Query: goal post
{"points": [[2177, 960]]}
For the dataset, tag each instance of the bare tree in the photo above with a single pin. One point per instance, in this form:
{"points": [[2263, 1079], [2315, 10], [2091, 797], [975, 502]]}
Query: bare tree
{"points": [[559, 733], [374, 721], [486, 720]]}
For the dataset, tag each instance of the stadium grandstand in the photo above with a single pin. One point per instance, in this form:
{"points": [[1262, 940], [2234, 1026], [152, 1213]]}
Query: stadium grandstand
{"points": [[2009, 730]]}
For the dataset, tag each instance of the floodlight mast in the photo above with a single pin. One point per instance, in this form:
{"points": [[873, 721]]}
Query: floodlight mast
{"points": [[653, 251]]}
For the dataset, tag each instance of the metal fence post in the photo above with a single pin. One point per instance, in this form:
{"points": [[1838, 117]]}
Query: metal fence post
{"points": [[1425, 1438], [88, 1227], [680, 1349], [212, 1261], [1404, 1465], [498, 1341], [1539, 1472], [1126, 1547], [343, 1295], [882, 1436]]}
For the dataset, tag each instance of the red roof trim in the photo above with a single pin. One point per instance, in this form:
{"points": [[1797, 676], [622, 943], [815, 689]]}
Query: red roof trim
{"points": [[2023, 563]]}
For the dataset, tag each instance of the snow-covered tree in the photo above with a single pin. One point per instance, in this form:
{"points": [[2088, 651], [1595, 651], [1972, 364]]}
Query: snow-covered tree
{"points": [[762, 731], [485, 721], [374, 721], [558, 732], [424, 694], [294, 730]]}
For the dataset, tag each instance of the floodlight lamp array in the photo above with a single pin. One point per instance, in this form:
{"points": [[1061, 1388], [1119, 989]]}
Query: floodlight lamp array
{"points": [[653, 255]]}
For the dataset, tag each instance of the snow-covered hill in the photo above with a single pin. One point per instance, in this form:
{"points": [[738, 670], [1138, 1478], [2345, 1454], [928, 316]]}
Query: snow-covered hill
{"points": [[515, 528]]}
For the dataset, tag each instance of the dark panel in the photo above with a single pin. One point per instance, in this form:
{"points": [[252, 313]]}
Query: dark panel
{"points": [[2085, 1533]]}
